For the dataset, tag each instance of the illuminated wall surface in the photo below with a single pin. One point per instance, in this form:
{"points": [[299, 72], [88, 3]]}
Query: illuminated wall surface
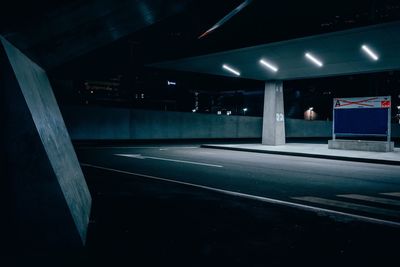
{"points": [[106, 123], [98, 123], [51, 196]]}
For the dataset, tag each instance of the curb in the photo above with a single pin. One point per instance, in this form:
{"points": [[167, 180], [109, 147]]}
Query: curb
{"points": [[306, 155]]}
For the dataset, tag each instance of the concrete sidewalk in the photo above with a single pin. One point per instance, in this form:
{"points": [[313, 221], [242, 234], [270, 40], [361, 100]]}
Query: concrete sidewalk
{"points": [[315, 151]]}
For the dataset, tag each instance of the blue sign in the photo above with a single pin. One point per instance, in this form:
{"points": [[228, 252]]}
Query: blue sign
{"points": [[361, 116]]}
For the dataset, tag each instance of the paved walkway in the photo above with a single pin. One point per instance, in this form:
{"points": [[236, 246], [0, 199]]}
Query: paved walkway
{"points": [[316, 151]]}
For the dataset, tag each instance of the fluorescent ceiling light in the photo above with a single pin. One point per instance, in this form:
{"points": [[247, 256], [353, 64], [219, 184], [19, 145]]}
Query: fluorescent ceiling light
{"points": [[226, 18], [314, 59], [369, 52], [269, 65], [228, 68]]}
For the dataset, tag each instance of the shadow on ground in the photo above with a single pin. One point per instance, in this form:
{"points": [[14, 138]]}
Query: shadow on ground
{"points": [[140, 222], [137, 222]]}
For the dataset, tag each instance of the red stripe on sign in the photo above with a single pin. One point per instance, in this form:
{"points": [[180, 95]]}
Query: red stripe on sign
{"points": [[385, 104]]}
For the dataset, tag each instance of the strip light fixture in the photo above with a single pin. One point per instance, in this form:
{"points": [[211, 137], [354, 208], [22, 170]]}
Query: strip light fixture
{"points": [[268, 65], [230, 69], [313, 59], [369, 52]]}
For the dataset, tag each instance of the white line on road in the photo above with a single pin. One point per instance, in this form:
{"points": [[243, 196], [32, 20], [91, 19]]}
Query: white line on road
{"points": [[393, 194], [336, 215], [135, 156], [372, 199], [347, 205], [139, 156], [139, 147]]}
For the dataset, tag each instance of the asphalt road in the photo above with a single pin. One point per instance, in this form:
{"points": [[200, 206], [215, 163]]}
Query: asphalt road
{"points": [[372, 190], [192, 206]]}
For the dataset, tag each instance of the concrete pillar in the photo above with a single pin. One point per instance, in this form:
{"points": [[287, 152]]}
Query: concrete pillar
{"points": [[50, 201], [274, 119]]}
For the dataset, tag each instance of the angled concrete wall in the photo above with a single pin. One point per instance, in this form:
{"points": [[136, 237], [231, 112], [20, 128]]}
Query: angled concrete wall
{"points": [[50, 196]]}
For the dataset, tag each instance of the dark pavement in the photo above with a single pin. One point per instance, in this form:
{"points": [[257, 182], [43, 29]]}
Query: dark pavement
{"points": [[159, 205], [285, 178]]}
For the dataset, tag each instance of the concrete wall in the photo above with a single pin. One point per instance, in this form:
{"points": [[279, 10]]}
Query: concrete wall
{"points": [[97, 123], [51, 198], [304, 128], [100, 123], [396, 130]]}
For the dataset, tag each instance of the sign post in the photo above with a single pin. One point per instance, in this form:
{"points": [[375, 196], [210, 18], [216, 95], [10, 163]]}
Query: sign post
{"points": [[362, 116]]}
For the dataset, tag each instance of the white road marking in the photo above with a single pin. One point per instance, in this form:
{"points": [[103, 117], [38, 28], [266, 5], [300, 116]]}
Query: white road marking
{"points": [[139, 147], [347, 205], [336, 215], [139, 156], [393, 194], [135, 156], [372, 199]]}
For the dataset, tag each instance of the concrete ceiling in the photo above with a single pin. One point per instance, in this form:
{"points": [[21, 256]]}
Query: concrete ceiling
{"points": [[60, 33], [340, 53]]}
